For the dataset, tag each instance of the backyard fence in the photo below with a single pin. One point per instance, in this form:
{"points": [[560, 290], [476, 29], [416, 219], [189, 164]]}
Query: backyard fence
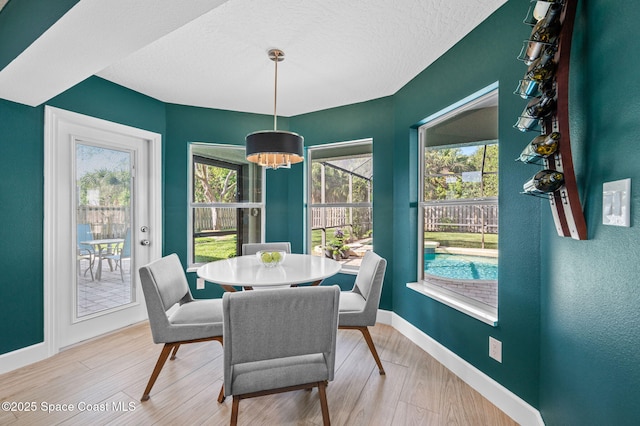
{"points": [[215, 219], [462, 216], [357, 219], [106, 222]]}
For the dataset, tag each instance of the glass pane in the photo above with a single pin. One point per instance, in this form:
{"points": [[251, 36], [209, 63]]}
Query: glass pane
{"points": [[216, 180], [103, 218], [219, 232], [461, 172], [460, 201], [215, 184], [461, 249], [343, 180], [342, 233]]}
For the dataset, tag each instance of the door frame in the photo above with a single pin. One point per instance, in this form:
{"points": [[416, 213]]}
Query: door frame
{"points": [[52, 117]]}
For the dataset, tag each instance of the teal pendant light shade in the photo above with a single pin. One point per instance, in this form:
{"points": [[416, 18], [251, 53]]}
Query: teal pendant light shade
{"points": [[274, 148]]}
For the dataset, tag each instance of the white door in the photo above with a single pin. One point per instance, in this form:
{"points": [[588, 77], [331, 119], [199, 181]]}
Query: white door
{"points": [[102, 221]]}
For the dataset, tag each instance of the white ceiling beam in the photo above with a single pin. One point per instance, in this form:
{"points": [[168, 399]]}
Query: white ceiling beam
{"points": [[90, 37]]}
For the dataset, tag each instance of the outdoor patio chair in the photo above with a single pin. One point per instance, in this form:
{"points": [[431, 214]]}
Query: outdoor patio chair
{"points": [[279, 341], [164, 285], [84, 251], [359, 307], [120, 254]]}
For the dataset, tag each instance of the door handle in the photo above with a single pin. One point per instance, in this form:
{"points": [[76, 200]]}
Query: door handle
{"points": [[145, 242]]}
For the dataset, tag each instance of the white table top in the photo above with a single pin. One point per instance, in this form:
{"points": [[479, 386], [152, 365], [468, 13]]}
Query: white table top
{"points": [[248, 271]]}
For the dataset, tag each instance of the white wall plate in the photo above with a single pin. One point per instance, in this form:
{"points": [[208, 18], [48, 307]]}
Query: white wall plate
{"points": [[616, 203]]}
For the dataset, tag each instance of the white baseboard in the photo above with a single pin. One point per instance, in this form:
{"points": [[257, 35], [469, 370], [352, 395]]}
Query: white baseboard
{"points": [[23, 357], [501, 397]]}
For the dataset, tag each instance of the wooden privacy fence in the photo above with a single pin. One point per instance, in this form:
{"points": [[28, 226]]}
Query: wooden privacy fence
{"points": [[225, 219], [333, 217], [336, 217], [461, 217], [106, 222]]}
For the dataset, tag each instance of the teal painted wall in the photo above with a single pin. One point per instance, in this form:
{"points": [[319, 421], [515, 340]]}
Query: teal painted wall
{"points": [[21, 215], [590, 366], [486, 55], [373, 119], [22, 198]]}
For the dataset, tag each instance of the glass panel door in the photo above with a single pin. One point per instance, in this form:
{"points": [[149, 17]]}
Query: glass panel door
{"points": [[104, 186]]}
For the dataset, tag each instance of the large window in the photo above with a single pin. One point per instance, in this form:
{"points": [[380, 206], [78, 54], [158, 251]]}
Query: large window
{"points": [[458, 229], [340, 197], [226, 206]]}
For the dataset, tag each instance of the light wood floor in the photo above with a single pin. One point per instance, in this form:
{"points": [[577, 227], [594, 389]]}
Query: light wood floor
{"points": [[110, 373]]}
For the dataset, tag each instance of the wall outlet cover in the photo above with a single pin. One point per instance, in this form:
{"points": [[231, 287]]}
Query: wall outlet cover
{"points": [[200, 284], [495, 349], [616, 203]]}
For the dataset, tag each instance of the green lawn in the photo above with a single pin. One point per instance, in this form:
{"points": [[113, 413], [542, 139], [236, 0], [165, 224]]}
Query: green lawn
{"points": [[463, 239], [209, 249]]}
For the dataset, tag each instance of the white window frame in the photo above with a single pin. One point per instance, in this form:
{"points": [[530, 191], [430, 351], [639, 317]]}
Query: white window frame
{"points": [[308, 186], [469, 306], [192, 266]]}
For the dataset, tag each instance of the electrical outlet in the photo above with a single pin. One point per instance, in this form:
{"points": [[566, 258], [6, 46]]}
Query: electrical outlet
{"points": [[495, 349], [200, 284]]}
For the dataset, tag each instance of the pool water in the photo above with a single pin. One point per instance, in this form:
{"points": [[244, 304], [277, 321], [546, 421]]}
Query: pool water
{"points": [[463, 267]]}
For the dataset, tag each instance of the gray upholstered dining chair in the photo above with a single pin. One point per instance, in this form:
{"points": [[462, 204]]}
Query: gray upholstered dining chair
{"points": [[164, 285], [359, 307], [253, 248], [279, 341]]}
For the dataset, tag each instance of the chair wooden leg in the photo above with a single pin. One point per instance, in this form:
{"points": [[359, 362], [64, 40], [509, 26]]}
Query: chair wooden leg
{"points": [[372, 348], [175, 349], [323, 403], [156, 371], [234, 411], [221, 395]]}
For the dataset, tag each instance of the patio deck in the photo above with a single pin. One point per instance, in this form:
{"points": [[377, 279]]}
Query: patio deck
{"points": [[110, 292]]}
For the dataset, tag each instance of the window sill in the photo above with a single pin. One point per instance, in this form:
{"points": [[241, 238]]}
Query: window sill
{"points": [[475, 309]]}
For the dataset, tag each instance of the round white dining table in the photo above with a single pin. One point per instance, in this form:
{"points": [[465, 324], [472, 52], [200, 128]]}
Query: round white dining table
{"points": [[248, 272]]}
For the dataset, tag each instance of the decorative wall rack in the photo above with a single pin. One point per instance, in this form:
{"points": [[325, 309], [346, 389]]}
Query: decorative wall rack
{"points": [[546, 86]]}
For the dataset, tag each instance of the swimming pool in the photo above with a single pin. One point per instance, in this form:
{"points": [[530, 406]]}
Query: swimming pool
{"points": [[461, 267]]}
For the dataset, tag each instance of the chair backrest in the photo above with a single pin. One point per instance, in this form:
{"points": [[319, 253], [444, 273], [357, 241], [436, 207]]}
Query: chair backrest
{"points": [[125, 252], [369, 283], [270, 324], [253, 248], [164, 284], [83, 233]]}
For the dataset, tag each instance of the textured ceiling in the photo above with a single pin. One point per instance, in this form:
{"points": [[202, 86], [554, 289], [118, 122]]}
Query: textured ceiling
{"points": [[214, 53]]}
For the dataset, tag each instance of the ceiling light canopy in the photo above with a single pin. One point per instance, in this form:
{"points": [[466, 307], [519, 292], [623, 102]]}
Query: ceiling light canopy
{"points": [[274, 148]]}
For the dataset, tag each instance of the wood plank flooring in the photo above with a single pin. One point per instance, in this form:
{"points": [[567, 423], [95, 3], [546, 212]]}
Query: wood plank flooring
{"points": [[102, 381]]}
